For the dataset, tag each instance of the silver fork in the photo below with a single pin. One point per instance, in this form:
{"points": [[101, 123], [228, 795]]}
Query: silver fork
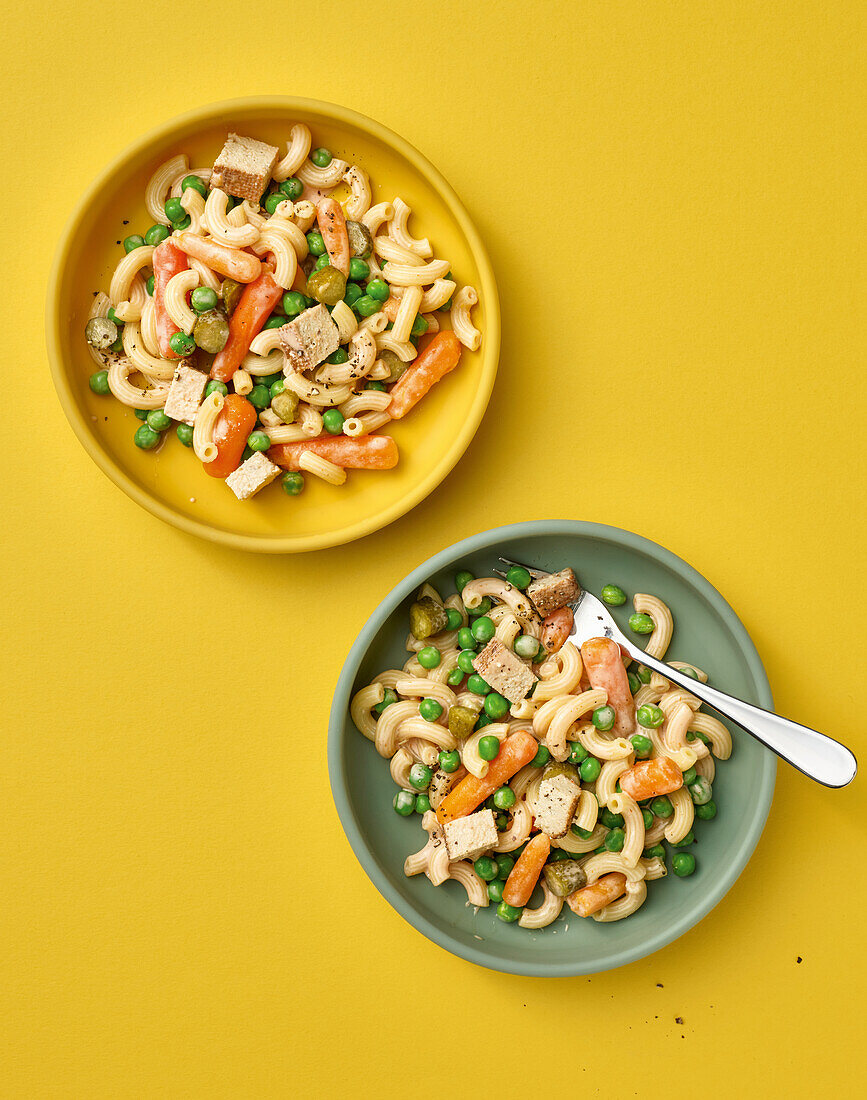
{"points": [[817, 756]]}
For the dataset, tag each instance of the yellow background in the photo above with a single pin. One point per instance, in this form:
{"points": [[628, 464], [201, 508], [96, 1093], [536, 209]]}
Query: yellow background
{"points": [[673, 197]]}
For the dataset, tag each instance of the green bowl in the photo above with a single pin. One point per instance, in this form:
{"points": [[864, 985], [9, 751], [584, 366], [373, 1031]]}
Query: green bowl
{"points": [[706, 631]]}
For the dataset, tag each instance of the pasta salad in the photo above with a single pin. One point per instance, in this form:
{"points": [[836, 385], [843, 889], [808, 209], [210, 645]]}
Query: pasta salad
{"points": [[276, 317], [544, 775]]}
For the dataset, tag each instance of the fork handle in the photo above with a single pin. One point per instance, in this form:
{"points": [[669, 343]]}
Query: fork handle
{"points": [[820, 757]]}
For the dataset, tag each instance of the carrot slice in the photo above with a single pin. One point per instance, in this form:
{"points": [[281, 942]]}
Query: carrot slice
{"points": [[592, 898], [332, 226], [604, 668], [364, 452], [649, 778], [515, 752], [236, 420], [252, 311], [525, 874], [168, 261], [441, 355], [556, 628], [243, 267]]}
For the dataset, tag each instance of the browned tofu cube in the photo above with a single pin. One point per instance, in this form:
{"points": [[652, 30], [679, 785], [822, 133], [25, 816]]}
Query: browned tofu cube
{"points": [[555, 591], [244, 167], [506, 673], [309, 339]]}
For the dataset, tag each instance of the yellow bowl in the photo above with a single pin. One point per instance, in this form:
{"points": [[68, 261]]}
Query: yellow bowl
{"points": [[170, 483]]}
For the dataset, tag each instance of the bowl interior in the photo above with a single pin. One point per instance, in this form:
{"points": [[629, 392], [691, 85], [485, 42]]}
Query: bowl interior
{"points": [[171, 482], [707, 632]]}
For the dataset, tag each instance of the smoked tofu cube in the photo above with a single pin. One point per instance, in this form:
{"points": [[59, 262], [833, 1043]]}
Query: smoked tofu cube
{"points": [[185, 394], [551, 593], [252, 475], [309, 339], [244, 167], [506, 673], [556, 805], [468, 837]]}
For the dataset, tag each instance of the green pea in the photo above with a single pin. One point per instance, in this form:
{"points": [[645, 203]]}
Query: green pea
{"points": [[644, 674], [276, 388], [146, 438], [688, 839], [542, 757], [603, 718], [404, 803], [420, 776], [99, 383], [422, 804], [259, 396], [489, 747], [496, 706], [294, 303], [692, 734], [558, 855], [315, 243], [504, 866], [216, 387], [495, 890], [378, 387], [688, 671], [508, 913], [358, 269], [611, 820], [613, 842], [647, 817], [455, 677], [477, 685], [613, 595], [662, 806], [577, 752], [642, 745], [321, 157], [462, 579], [429, 657], [641, 623], [366, 306], [590, 769], [332, 421], [683, 864], [419, 326], [518, 576], [181, 344], [466, 638], [525, 646], [275, 321], [650, 716], [634, 682], [465, 661], [141, 414], [258, 441], [454, 619], [158, 420], [184, 433], [184, 223], [486, 868], [501, 821], [196, 183], [174, 209], [352, 293], [379, 290], [292, 188], [131, 243], [450, 761], [338, 356], [483, 608], [584, 834], [689, 776], [273, 201], [700, 791], [656, 852], [430, 709], [203, 299], [706, 811], [246, 453], [483, 629], [156, 235], [113, 317], [388, 697]]}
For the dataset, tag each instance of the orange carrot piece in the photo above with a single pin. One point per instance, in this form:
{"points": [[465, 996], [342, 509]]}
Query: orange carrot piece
{"points": [[168, 261], [236, 420], [243, 267], [516, 751], [604, 668], [441, 355], [556, 628], [649, 778], [332, 226], [252, 311], [525, 874], [364, 452], [592, 898]]}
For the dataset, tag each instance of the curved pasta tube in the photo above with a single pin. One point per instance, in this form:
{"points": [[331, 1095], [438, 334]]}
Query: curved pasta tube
{"points": [[605, 748], [633, 826], [634, 898], [434, 296], [388, 249], [477, 891], [346, 322], [99, 307], [207, 277], [518, 830], [388, 678], [288, 229], [506, 593], [358, 203], [656, 832], [413, 668], [718, 735], [203, 429], [706, 767], [316, 393], [462, 323], [319, 178], [426, 731], [405, 317], [136, 397], [204, 175], [564, 681], [470, 700], [217, 221], [263, 344], [587, 811], [521, 782], [575, 707], [375, 323], [362, 356], [652, 692], [160, 370], [686, 666], [132, 309], [576, 845], [403, 349], [160, 184], [194, 204], [663, 624], [376, 216], [653, 868], [680, 822], [426, 689], [300, 140], [399, 767], [543, 914], [544, 715], [361, 707], [375, 401], [523, 711], [508, 630], [177, 307], [606, 863], [120, 287], [470, 757], [404, 274], [672, 736], [320, 467], [148, 329], [448, 663], [398, 231], [389, 722], [611, 772], [281, 248]]}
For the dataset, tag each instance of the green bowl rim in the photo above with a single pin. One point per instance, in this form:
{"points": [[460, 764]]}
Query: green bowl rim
{"points": [[378, 518], [340, 710]]}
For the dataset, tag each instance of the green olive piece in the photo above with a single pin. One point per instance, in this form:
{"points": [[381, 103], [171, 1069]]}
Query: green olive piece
{"points": [[211, 331], [394, 365], [427, 617], [100, 333], [231, 292], [285, 405], [461, 721], [562, 767], [360, 240], [564, 876], [327, 285]]}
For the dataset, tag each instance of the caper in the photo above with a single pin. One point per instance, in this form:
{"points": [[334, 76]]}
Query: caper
{"points": [[232, 292], [360, 240], [394, 365], [327, 285], [211, 331], [100, 333]]}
